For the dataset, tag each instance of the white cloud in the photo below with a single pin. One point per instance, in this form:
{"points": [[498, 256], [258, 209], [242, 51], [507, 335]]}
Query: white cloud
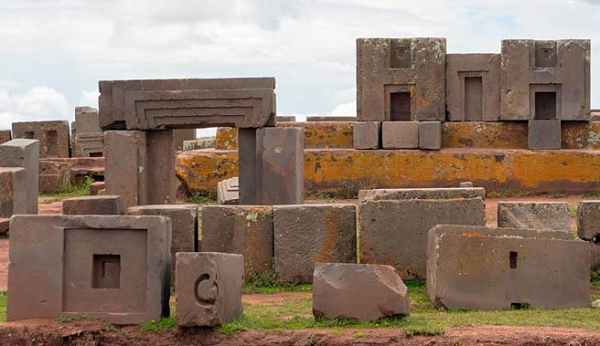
{"points": [[89, 98], [38, 103]]}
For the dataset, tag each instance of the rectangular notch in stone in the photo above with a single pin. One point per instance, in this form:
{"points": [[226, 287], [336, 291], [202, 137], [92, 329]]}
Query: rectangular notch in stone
{"points": [[545, 54], [106, 271], [545, 105], [52, 137], [473, 98], [512, 258], [400, 55], [400, 106]]}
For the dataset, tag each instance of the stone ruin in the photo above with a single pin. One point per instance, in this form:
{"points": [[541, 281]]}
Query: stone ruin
{"points": [[114, 255]]}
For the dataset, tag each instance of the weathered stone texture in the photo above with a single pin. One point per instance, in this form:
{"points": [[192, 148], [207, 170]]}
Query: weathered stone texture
{"points": [[394, 232], [535, 215], [95, 187], [473, 87], [93, 205], [245, 230], [400, 79], [209, 288], [52, 135], [365, 292], [228, 191], [430, 135], [306, 234], [400, 134], [5, 136], [588, 220], [424, 193], [317, 118], [499, 268], [13, 185], [24, 153], [87, 120], [89, 145], [111, 267], [159, 104], [544, 134], [367, 135]]}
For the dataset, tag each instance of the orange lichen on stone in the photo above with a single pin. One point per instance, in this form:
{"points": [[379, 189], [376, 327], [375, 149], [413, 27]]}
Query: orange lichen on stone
{"points": [[227, 138], [484, 135]]}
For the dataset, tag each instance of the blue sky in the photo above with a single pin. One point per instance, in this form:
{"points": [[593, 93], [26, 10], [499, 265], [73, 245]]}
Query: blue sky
{"points": [[53, 53]]}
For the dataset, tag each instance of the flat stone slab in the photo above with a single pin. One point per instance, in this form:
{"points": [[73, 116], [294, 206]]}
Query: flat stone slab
{"points": [[306, 234], [588, 220], [241, 229], [552, 216], [228, 191], [111, 267], [93, 205], [365, 292], [209, 288], [394, 232], [424, 193], [502, 268]]}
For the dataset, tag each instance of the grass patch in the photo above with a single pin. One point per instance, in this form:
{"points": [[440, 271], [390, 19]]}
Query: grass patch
{"points": [[509, 194], [3, 298], [590, 195], [79, 189], [556, 195], [69, 319], [266, 282], [159, 326], [202, 198], [295, 312]]}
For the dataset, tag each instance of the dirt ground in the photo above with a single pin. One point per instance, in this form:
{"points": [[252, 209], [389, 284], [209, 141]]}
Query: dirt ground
{"points": [[96, 333]]}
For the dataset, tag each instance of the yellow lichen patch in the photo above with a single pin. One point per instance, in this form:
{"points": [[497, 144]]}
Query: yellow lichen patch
{"points": [[227, 138], [203, 169], [484, 135]]}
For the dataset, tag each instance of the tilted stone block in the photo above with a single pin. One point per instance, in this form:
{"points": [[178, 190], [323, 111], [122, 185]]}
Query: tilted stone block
{"points": [[423, 193], [544, 135], [111, 267], [306, 234], [394, 232], [366, 135], [209, 288], [245, 229], [228, 191], [535, 215], [13, 187], [400, 79], [52, 135], [93, 205], [184, 220], [588, 220], [24, 153], [365, 292], [400, 134], [430, 135], [473, 87], [501, 268], [158, 104]]}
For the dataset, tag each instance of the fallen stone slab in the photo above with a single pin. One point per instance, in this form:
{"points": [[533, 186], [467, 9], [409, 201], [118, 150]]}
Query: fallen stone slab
{"points": [[422, 193], [365, 292], [588, 220], [306, 234], [535, 215], [504, 268], [93, 205], [228, 191], [209, 288]]}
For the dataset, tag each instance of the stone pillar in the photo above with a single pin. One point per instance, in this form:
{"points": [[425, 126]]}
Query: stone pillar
{"points": [[160, 168], [24, 153], [271, 166]]}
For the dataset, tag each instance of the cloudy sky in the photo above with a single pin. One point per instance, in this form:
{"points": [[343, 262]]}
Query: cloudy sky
{"points": [[53, 52]]}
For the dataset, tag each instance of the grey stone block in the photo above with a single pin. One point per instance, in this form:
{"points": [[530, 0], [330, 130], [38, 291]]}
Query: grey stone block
{"points": [[588, 220], [87, 120], [52, 135], [499, 268], [89, 145], [423, 193], [366, 135], [24, 153], [245, 230], [111, 267], [394, 232], [365, 292], [93, 205], [400, 135], [430, 135], [209, 288], [544, 134], [13, 185], [306, 234], [535, 215]]}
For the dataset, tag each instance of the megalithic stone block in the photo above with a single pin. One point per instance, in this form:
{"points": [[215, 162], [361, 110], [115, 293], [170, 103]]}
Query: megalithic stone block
{"points": [[87, 120], [93, 205], [209, 288], [544, 134], [367, 135], [243, 229], [52, 135], [365, 292], [24, 153], [423, 193], [88, 145], [588, 220], [228, 191], [13, 185], [535, 215], [400, 135], [111, 267], [502, 268], [306, 234], [430, 135]]}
